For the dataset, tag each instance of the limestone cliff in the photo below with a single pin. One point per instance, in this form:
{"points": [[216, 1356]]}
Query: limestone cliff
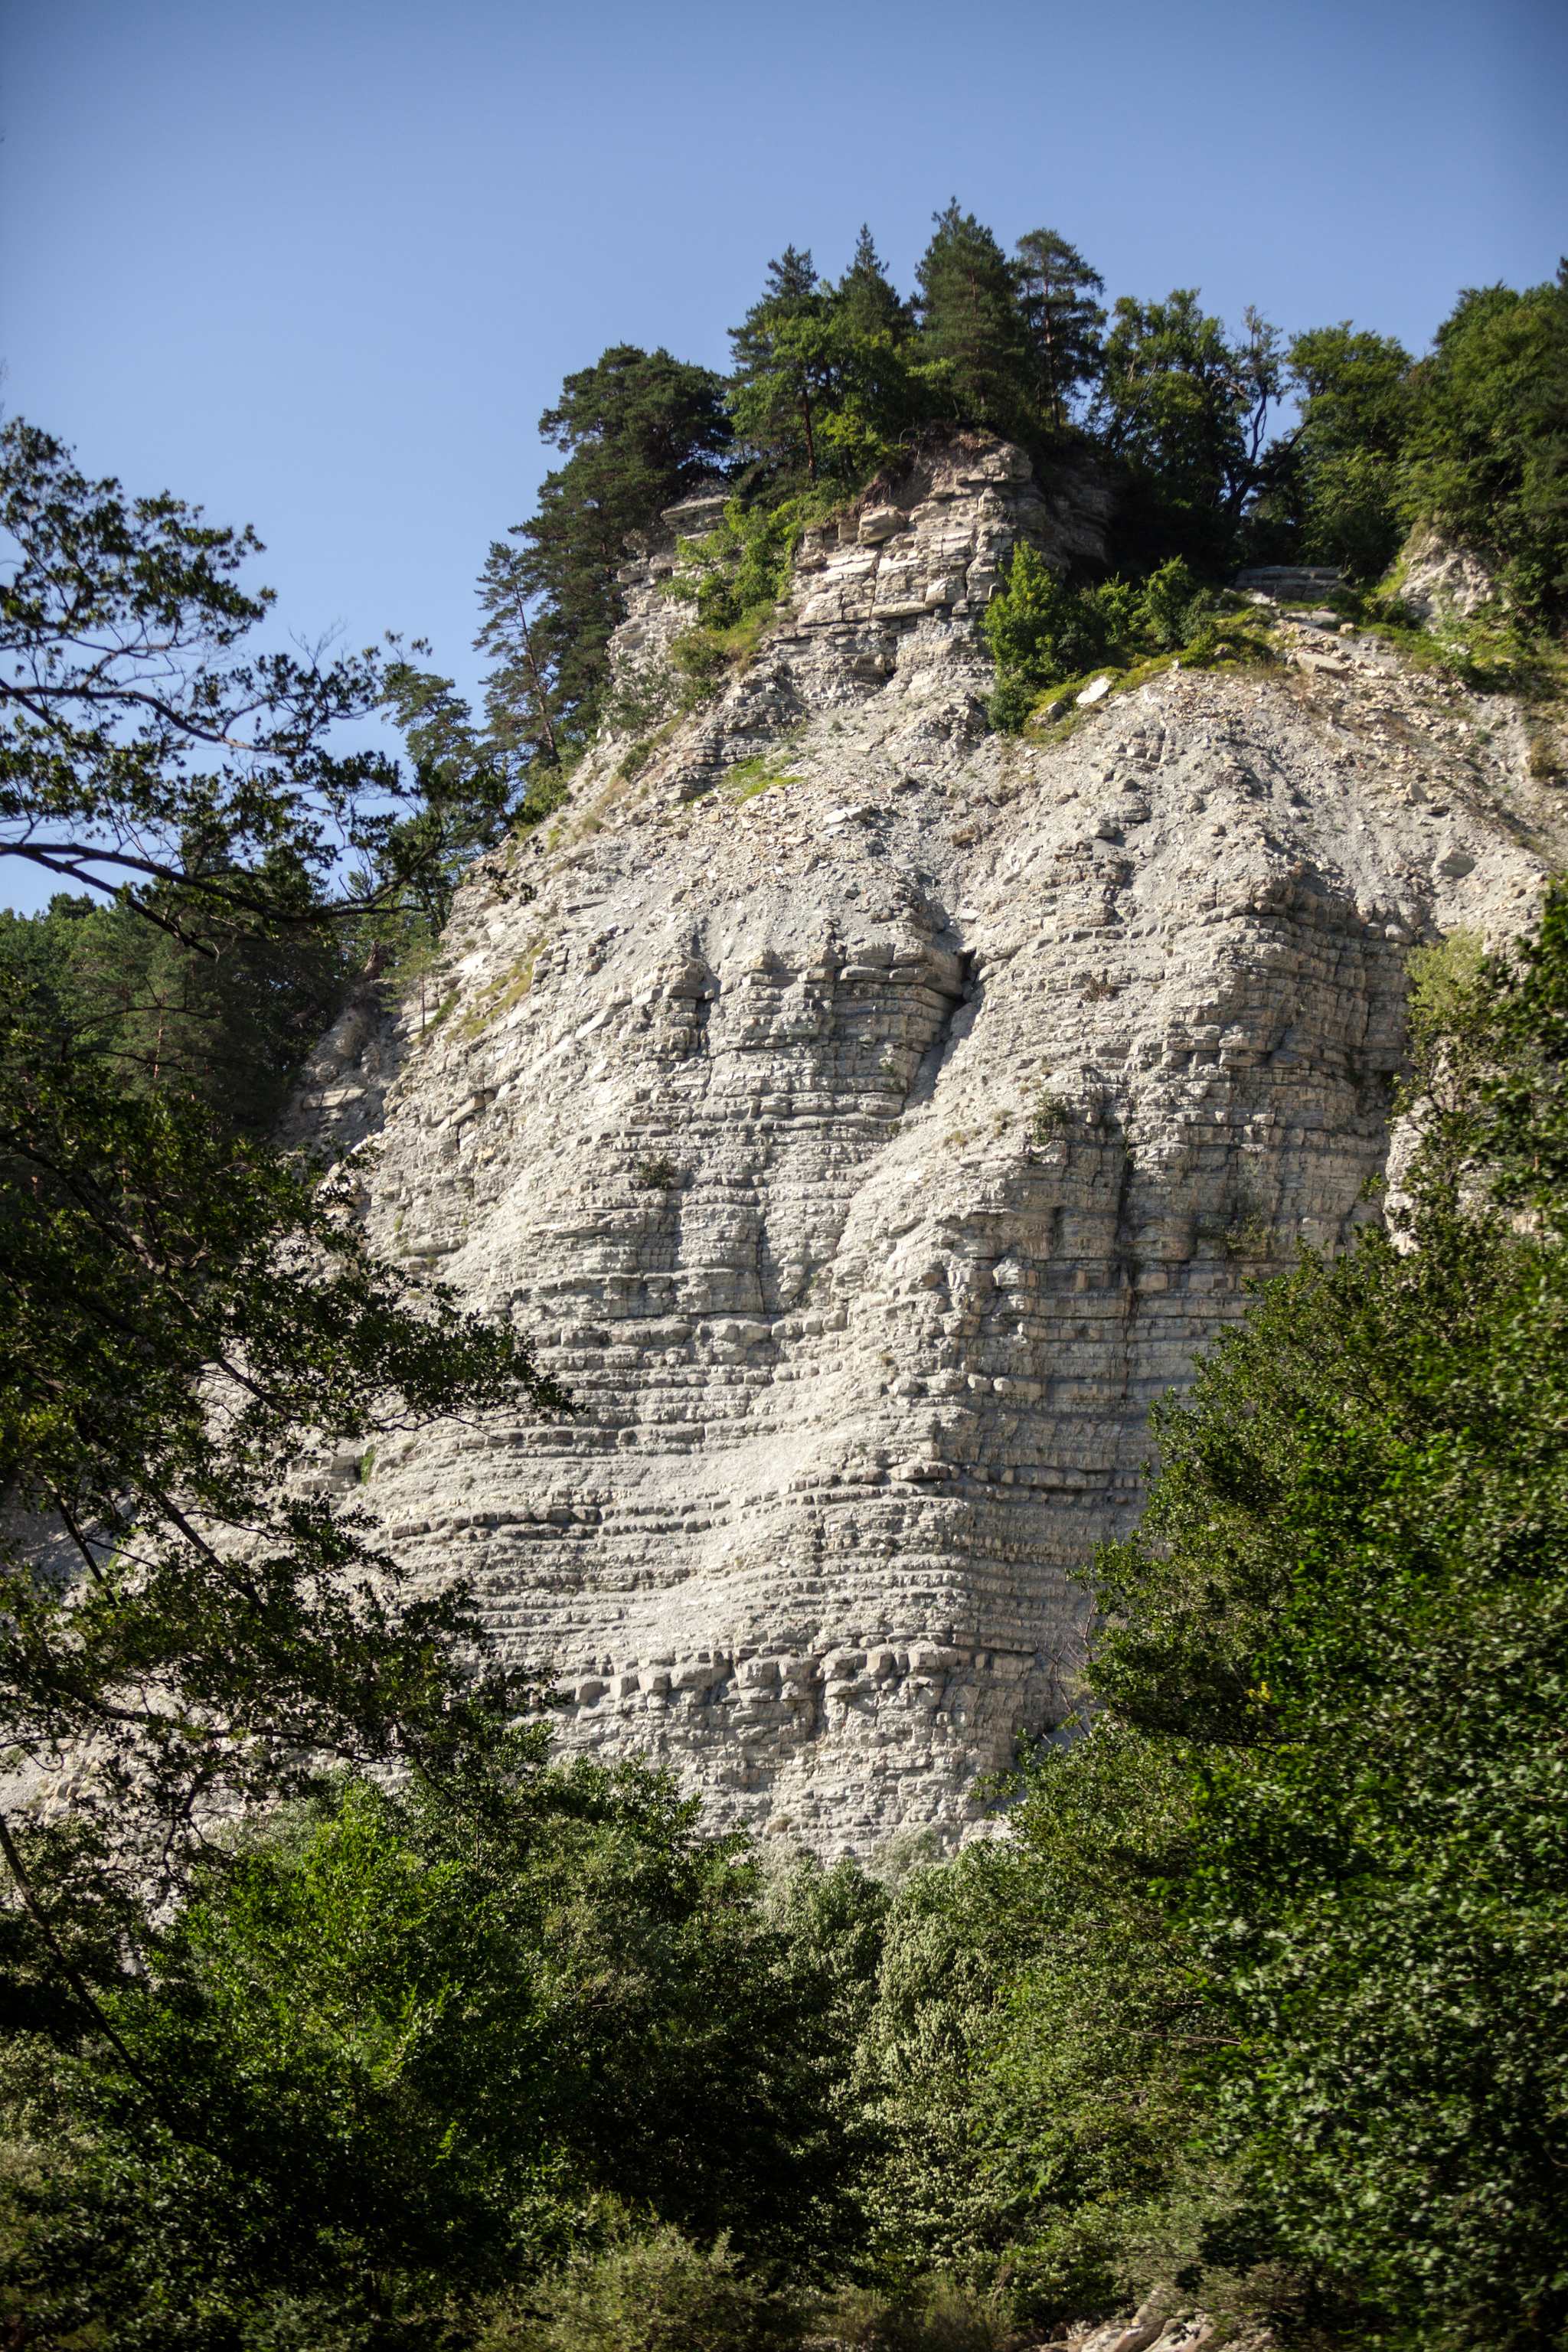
{"points": [[868, 1153]]}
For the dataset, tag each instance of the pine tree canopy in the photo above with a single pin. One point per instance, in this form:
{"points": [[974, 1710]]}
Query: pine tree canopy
{"points": [[970, 322], [1062, 322], [786, 353], [866, 300], [638, 429]]}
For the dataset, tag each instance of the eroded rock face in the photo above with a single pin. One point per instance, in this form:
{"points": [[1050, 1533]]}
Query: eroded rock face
{"points": [[1441, 581], [869, 1153], [887, 597]]}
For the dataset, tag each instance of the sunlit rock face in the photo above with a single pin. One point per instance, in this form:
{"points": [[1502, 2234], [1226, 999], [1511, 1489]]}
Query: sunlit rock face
{"points": [[868, 1153]]}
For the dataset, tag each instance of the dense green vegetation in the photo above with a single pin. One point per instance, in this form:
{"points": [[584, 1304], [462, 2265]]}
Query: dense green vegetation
{"points": [[193, 1334]]}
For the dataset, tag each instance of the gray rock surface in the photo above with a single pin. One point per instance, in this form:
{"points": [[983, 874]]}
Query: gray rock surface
{"points": [[1440, 582], [866, 1152]]}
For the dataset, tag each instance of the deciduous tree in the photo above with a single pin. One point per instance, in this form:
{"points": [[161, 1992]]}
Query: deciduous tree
{"points": [[144, 747]]}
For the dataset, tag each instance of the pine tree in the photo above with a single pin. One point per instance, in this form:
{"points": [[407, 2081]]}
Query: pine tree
{"points": [[866, 300], [970, 322], [639, 430], [1056, 291], [199, 1006], [785, 356]]}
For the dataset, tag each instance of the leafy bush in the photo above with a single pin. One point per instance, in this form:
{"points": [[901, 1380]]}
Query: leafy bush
{"points": [[418, 2039], [1044, 629], [656, 2293], [743, 566], [1166, 607], [1040, 629], [941, 2314]]}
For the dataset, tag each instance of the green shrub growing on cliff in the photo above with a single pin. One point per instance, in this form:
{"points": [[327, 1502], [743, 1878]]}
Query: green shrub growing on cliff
{"points": [[1042, 628]]}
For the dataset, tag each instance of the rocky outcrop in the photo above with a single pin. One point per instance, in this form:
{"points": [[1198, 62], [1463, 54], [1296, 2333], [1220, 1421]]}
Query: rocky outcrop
{"points": [[869, 1138], [1438, 580], [885, 595], [1163, 2324]]}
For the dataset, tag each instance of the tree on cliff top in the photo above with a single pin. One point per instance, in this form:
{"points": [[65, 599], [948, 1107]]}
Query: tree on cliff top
{"points": [[826, 380], [638, 429], [1054, 290], [785, 353], [1487, 452], [1184, 407], [969, 323]]}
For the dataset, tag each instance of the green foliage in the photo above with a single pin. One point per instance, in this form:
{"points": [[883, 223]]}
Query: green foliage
{"points": [[834, 382], [1171, 606], [207, 1005], [639, 431], [826, 378], [1471, 438], [1085, 2099], [1486, 455], [970, 324], [402, 2050], [786, 353], [462, 773], [1348, 1592], [655, 2292], [1443, 1000], [190, 1324], [951, 1937], [1494, 1037], [1335, 492], [937, 2314], [1184, 406], [1042, 628], [742, 567], [1054, 289], [143, 750], [1375, 1890]]}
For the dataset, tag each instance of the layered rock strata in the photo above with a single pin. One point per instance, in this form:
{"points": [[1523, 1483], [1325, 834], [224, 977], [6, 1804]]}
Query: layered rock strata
{"points": [[868, 1152]]}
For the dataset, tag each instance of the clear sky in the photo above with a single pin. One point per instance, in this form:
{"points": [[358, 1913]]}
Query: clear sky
{"points": [[320, 266]]}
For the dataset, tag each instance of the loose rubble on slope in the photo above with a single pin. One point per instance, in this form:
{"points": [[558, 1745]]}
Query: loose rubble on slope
{"points": [[1161, 2323], [867, 1151]]}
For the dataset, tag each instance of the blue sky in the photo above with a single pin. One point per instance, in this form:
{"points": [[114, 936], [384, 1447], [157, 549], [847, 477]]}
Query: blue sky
{"points": [[320, 267]]}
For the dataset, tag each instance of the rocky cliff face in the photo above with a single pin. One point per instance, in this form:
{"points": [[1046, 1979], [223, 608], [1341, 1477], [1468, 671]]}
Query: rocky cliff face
{"points": [[869, 1138]]}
